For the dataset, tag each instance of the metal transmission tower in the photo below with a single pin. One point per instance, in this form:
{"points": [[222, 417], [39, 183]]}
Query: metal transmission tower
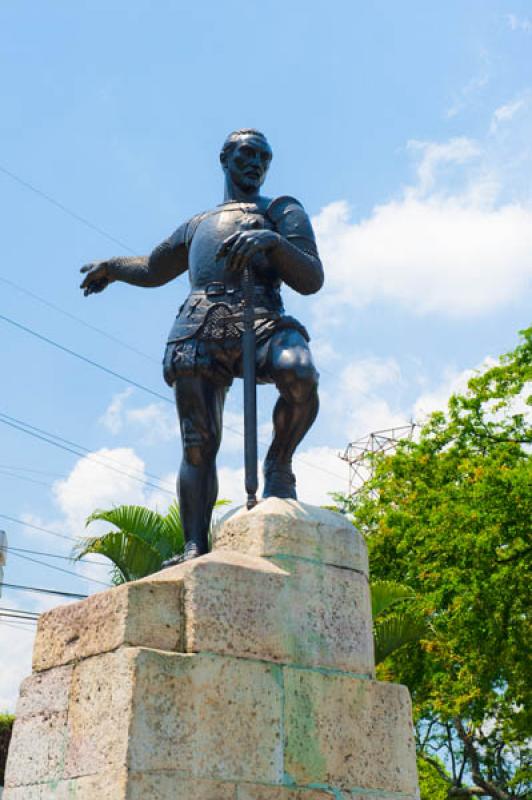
{"points": [[359, 454]]}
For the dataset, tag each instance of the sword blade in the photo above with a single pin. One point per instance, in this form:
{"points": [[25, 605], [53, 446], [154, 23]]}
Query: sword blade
{"points": [[250, 389]]}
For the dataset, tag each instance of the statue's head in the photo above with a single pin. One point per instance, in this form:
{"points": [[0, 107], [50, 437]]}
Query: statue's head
{"points": [[245, 158]]}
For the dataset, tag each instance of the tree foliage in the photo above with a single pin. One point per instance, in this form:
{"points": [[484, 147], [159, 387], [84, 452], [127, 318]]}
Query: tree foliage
{"points": [[144, 540], [449, 515], [6, 727]]}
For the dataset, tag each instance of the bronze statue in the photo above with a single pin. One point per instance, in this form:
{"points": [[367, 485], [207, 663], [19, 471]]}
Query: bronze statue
{"points": [[247, 236]]}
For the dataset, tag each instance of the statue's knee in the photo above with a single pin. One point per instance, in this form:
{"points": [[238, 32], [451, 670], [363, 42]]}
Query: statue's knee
{"points": [[298, 382], [199, 448]]}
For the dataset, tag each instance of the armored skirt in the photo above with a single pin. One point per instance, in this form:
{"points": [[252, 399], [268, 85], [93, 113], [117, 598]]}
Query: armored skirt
{"points": [[206, 337]]}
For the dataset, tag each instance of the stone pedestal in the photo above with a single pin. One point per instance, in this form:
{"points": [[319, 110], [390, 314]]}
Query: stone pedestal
{"points": [[246, 674]]}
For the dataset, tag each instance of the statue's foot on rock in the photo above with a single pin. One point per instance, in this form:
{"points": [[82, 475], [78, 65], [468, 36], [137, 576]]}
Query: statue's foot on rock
{"points": [[279, 481], [191, 551]]}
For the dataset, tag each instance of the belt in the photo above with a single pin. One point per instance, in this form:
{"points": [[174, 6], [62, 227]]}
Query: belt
{"points": [[219, 289]]}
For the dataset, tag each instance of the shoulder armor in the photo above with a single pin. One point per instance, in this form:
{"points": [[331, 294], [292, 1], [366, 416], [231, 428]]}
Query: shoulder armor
{"points": [[290, 219], [191, 227]]}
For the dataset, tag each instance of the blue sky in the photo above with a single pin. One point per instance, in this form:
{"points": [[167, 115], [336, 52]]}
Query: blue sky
{"points": [[405, 130]]}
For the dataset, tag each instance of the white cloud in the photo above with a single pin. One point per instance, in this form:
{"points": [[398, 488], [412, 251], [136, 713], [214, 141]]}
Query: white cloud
{"points": [[451, 256], [467, 92], [113, 416], [16, 645], [454, 382], [505, 113], [91, 484], [154, 423], [436, 154]]}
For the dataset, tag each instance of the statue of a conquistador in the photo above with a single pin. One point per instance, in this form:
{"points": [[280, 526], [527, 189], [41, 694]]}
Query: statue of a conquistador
{"points": [[273, 238]]}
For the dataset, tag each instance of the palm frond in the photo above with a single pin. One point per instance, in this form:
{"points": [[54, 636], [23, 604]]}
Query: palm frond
{"points": [[396, 630], [131, 556], [139, 520], [385, 593]]}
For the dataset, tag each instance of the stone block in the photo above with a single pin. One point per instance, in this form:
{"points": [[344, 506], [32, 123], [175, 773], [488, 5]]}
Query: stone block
{"points": [[141, 613], [348, 733], [45, 692], [99, 714], [169, 786], [293, 611], [207, 716], [37, 749], [288, 528], [106, 786], [248, 792]]}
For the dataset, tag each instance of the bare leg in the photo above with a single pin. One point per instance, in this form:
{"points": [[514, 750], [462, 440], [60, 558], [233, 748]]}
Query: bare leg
{"points": [[295, 411], [200, 406]]}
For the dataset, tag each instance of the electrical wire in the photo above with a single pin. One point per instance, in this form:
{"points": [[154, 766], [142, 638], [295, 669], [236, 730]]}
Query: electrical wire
{"points": [[74, 444], [37, 528], [8, 548], [25, 614], [20, 425], [38, 590], [65, 209], [81, 321], [60, 569]]}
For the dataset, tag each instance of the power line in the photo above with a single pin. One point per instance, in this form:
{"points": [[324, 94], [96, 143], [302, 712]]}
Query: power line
{"points": [[65, 209], [132, 382], [6, 474], [43, 591], [27, 614], [60, 569], [81, 321], [9, 548], [22, 426], [81, 357], [37, 528], [20, 626], [73, 444]]}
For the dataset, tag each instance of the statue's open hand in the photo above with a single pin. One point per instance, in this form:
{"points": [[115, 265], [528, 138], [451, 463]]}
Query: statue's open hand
{"points": [[240, 248], [97, 278]]}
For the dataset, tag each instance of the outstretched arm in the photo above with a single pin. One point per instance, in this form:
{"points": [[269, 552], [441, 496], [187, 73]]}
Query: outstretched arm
{"points": [[166, 262], [291, 247]]}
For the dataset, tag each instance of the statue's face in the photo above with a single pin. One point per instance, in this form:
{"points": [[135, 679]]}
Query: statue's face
{"points": [[248, 162]]}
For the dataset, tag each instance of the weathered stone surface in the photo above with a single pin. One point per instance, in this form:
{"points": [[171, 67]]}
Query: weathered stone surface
{"points": [[211, 717], [344, 732], [247, 792], [37, 749], [235, 676], [99, 713], [286, 527], [140, 613], [45, 692], [296, 611], [167, 786], [106, 786]]}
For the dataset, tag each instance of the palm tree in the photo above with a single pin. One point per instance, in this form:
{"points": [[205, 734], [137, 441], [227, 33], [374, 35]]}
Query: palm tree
{"points": [[394, 628], [144, 540]]}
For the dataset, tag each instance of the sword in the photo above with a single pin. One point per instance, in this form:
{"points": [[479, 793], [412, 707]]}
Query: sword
{"points": [[250, 387]]}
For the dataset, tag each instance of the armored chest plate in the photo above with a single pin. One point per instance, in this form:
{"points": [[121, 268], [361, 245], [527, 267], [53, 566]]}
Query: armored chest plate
{"points": [[209, 235]]}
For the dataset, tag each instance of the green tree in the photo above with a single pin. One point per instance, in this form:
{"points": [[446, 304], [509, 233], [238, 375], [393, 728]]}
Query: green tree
{"points": [[396, 619], [6, 727], [449, 515]]}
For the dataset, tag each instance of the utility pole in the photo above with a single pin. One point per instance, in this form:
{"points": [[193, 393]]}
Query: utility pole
{"points": [[360, 453]]}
